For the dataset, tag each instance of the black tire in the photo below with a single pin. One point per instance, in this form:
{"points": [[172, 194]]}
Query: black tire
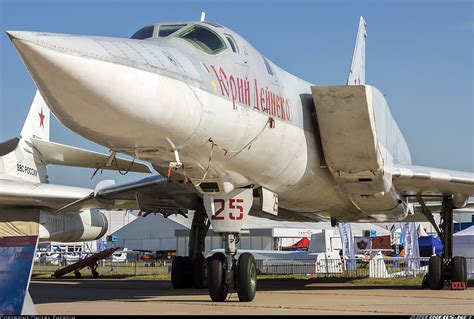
{"points": [[435, 273], [181, 273], [218, 289], [458, 269], [246, 277], [77, 274], [199, 272], [95, 274]]}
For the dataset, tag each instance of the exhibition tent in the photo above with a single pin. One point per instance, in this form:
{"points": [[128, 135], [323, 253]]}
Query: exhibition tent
{"points": [[426, 244], [463, 245]]}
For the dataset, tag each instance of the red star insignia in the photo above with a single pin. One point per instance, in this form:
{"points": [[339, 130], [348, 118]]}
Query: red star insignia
{"points": [[41, 115]]}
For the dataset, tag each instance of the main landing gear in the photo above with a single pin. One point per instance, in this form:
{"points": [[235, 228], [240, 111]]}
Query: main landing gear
{"points": [[445, 268], [191, 271], [221, 272]]}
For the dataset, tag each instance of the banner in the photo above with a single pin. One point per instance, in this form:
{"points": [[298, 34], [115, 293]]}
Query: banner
{"points": [[409, 236], [347, 240], [362, 244], [16, 262], [381, 242]]}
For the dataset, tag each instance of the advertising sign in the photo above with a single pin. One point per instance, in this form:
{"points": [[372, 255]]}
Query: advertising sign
{"points": [[362, 244], [16, 261], [410, 244], [381, 242], [345, 232]]}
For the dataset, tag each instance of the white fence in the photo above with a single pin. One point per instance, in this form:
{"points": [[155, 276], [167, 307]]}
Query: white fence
{"points": [[376, 268], [354, 268]]}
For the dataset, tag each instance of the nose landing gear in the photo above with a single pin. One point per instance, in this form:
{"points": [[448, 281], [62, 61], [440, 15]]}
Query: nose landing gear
{"points": [[246, 277], [221, 272], [226, 272]]}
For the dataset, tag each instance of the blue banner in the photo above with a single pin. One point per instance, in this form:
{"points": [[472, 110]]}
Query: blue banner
{"points": [[16, 261]]}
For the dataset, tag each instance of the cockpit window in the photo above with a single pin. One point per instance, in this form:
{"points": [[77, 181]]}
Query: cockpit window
{"points": [[267, 65], [203, 39], [232, 43], [166, 30], [144, 33]]}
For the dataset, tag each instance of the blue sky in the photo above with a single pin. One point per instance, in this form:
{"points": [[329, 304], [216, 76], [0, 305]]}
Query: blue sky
{"points": [[419, 53]]}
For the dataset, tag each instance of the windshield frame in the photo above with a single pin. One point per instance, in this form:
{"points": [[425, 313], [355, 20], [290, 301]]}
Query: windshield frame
{"points": [[158, 27]]}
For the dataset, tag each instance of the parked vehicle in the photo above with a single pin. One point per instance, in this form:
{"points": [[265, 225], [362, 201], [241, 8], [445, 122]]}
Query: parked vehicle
{"points": [[72, 257], [120, 256]]}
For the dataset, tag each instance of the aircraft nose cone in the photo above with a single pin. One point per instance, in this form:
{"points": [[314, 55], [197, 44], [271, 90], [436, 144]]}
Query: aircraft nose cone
{"points": [[55, 41], [58, 64], [19, 34], [106, 89], [15, 34], [11, 35]]}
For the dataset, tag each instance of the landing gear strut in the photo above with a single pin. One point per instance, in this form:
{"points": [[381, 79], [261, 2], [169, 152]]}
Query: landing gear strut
{"points": [[446, 267], [225, 271], [222, 271], [191, 271]]}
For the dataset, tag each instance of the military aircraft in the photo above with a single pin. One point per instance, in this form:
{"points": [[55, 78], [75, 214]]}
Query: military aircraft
{"points": [[29, 203], [233, 133]]}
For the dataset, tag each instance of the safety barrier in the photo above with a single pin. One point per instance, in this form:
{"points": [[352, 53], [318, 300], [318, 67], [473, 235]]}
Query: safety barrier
{"points": [[348, 268], [351, 268]]}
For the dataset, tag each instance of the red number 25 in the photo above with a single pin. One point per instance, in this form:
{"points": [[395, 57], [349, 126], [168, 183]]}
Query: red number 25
{"points": [[232, 206]]}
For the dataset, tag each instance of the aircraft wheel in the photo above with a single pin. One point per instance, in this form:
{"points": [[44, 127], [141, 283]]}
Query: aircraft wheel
{"points": [[95, 274], [181, 273], [199, 272], [435, 273], [218, 289], [77, 274], [458, 269], [246, 277]]}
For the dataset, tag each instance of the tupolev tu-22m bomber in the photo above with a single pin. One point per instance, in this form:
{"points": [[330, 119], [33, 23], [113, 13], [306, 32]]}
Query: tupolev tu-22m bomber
{"points": [[233, 134]]}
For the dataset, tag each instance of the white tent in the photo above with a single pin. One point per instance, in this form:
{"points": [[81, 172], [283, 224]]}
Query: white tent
{"points": [[463, 245]]}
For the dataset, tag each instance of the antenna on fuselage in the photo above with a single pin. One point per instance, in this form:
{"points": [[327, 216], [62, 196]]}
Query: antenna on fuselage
{"points": [[203, 16]]}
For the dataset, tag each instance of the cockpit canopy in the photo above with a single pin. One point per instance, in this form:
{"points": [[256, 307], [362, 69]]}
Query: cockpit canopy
{"points": [[143, 33], [160, 31], [201, 37]]}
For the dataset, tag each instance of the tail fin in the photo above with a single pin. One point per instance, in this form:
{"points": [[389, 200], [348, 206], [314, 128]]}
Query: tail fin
{"points": [[37, 121], [18, 158], [357, 71]]}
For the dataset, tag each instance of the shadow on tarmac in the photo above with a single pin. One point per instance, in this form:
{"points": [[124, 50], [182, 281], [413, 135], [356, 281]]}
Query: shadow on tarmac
{"points": [[46, 291]]}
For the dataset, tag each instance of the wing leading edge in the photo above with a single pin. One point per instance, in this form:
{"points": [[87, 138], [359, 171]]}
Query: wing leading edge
{"points": [[429, 181]]}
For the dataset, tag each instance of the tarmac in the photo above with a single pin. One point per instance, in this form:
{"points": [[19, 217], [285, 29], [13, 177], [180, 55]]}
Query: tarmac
{"points": [[277, 297]]}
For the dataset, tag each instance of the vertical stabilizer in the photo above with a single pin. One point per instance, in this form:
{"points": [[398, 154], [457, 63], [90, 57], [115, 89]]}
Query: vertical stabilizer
{"points": [[357, 71], [37, 121], [22, 161]]}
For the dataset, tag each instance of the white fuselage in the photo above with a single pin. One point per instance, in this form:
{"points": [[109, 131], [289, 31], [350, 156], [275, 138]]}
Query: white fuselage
{"points": [[160, 97]]}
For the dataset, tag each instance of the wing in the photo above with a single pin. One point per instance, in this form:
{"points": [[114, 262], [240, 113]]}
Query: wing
{"points": [[19, 193], [428, 181], [59, 154], [57, 197]]}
